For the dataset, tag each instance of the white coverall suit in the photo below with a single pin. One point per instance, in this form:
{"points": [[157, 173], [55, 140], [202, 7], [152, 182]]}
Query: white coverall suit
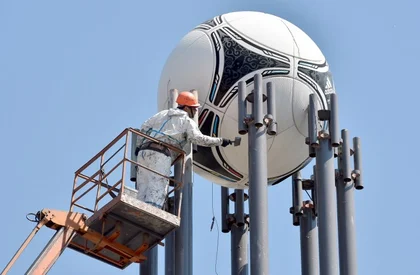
{"points": [[172, 126]]}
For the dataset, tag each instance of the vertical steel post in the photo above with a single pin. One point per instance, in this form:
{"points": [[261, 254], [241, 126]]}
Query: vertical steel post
{"points": [[326, 204], [224, 200], [170, 239], [312, 124], [184, 234], [258, 199], [309, 240], [297, 193], [346, 213], [150, 266], [239, 237], [314, 193], [334, 129], [170, 244], [357, 173], [271, 109], [242, 126]]}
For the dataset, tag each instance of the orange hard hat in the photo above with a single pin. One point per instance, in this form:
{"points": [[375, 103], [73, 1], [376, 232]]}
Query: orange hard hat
{"points": [[187, 99]]}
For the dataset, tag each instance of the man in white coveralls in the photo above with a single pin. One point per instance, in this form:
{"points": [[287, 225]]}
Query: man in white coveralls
{"points": [[173, 126]]}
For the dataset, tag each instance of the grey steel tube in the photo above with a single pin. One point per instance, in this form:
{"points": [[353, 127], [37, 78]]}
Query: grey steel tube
{"points": [[170, 238], [271, 108], [183, 236], [257, 108], [346, 225], [309, 242], [224, 200], [314, 192], [326, 207], [133, 171], [242, 127], [170, 242], [357, 158], [334, 128], [295, 219], [173, 95], [257, 148], [312, 152], [239, 250], [150, 266], [239, 207], [345, 156], [297, 193], [312, 122]]}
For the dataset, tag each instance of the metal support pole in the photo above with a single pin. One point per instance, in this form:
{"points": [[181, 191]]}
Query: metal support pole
{"points": [[345, 208], [344, 160], [258, 208], [271, 109], [150, 266], [326, 204], [170, 249], [357, 174], [297, 193], [314, 193], [170, 238], [309, 241], [239, 207], [334, 129], [327, 212], [312, 124], [242, 126], [257, 107], [239, 238], [224, 200], [184, 234]]}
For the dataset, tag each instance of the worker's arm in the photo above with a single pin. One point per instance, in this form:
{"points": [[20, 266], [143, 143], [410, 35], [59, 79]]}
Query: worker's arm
{"points": [[195, 136]]}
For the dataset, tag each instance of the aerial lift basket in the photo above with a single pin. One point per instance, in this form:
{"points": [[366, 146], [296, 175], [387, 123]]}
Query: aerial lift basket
{"points": [[114, 226]]}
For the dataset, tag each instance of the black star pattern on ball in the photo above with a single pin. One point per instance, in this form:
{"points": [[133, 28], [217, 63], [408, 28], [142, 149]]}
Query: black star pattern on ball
{"points": [[240, 61]]}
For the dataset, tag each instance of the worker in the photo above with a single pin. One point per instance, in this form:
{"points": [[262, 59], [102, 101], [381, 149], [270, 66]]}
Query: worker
{"points": [[176, 127]]}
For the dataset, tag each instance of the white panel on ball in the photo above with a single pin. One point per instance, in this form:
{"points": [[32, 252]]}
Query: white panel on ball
{"points": [[219, 53]]}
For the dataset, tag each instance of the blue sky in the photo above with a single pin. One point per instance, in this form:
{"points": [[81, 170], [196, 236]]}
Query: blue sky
{"points": [[74, 74]]}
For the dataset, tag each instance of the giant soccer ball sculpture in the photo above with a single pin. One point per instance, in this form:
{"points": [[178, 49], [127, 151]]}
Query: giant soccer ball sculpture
{"points": [[219, 53]]}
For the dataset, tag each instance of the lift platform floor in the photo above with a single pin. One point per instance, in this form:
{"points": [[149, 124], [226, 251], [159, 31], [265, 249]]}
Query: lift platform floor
{"points": [[129, 222]]}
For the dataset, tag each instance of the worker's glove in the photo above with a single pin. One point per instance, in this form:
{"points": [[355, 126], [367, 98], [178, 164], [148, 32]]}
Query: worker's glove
{"points": [[226, 142]]}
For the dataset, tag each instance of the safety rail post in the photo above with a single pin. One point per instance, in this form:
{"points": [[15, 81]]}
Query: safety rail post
{"points": [[73, 193], [99, 185], [124, 164]]}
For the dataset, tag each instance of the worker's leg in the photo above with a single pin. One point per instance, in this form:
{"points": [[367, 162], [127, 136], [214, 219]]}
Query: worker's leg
{"points": [[153, 188]]}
